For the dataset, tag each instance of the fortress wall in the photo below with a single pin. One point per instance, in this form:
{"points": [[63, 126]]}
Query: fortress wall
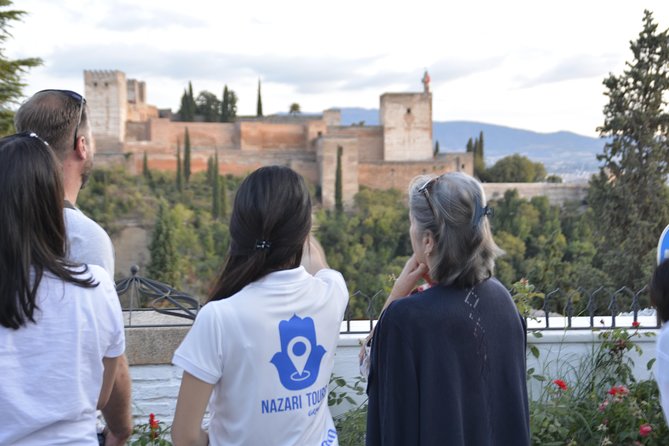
{"points": [[398, 175], [270, 136], [231, 161], [315, 129], [136, 131], [202, 134], [141, 112], [370, 140], [557, 193], [327, 169]]}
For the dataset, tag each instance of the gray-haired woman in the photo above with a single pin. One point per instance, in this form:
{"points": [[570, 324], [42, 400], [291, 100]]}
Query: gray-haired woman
{"points": [[448, 363]]}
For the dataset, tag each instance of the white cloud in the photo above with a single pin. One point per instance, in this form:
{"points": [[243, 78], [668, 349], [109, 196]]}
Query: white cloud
{"points": [[521, 63]]}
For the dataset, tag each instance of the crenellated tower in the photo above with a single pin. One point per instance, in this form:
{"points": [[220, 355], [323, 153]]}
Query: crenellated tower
{"points": [[407, 125], [107, 98]]}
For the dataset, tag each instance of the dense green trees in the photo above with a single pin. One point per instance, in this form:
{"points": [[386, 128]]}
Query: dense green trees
{"points": [[369, 246], [208, 106], [11, 70], [552, 247], [113, 198], [515, 169], [629, 196]]}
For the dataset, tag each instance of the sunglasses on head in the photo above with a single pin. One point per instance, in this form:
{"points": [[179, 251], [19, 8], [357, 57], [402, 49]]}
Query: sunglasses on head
{"points": [[425, 190], [77, 97]]}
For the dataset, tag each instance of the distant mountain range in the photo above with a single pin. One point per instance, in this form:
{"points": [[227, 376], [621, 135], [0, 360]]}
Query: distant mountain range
{"points": [[561, 152]]}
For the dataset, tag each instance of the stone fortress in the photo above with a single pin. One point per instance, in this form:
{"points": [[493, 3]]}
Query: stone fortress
{"points": [[381, 157]]}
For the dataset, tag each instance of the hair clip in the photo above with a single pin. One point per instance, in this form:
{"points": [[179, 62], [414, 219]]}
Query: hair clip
{"points": [[32, 135], [481, 212], [262, 245]]}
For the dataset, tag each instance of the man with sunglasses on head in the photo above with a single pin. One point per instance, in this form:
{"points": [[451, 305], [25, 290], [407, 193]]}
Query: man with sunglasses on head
{"points": [[61, 118]]}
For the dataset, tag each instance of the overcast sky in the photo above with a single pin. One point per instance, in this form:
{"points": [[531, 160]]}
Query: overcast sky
{"points": [[526, 64]]}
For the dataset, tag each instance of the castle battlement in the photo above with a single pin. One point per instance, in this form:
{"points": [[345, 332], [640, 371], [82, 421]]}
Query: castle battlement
{"points": [[387, 155]]}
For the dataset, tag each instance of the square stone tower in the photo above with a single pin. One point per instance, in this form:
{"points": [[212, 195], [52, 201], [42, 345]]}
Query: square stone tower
{"points": [[407, 126], [107, 98]]}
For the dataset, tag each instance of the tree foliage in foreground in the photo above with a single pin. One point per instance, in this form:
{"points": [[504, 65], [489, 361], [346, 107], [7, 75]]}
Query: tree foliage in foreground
{"points": [[11, 70], [629, 196]]}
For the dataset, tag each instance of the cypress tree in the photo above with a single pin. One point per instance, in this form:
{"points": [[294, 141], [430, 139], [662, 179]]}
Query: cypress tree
{"points": [[259, 106], [210, 170], [479, 163], [184, 110], [225, 106], [187, 155], [145, 167], [180, 185], [192, 106], [436, 148], [163, 265], [339, 202], [224, 194], [216, 190]]}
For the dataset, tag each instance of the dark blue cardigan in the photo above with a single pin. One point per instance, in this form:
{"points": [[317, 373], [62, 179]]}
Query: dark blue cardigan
{"points": [[448, 368]]}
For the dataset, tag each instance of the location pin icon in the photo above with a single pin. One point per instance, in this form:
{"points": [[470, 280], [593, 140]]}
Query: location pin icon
{"points": [[299, 349]]}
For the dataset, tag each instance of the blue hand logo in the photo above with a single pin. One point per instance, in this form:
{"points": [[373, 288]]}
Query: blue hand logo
{"points": [[299, 360]]}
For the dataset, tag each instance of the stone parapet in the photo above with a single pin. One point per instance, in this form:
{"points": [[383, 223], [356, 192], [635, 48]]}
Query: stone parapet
{"points": [[152, 345], [557, 193]]}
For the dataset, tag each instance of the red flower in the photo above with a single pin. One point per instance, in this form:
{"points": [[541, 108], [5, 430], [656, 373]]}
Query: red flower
{"points": [[560, 383], [618, 390], [153, 423], [645, 430], [636, 324]]}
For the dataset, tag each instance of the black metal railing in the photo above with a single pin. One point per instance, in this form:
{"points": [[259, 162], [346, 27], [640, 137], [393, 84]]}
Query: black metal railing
{"points": [[140, 295], [573, 309]]}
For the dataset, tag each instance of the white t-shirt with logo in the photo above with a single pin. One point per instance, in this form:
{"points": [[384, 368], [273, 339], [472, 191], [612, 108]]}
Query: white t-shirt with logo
{"points": [[51, 370], [269, 352]]}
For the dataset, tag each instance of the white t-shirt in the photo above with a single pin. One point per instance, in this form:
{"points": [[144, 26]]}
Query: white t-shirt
{"points": [[51, 370], [88, 242], [662, 368], [269, 351]]}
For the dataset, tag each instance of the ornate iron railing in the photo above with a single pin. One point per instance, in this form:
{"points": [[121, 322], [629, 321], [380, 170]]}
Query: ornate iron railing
{"points": [[140, 295]]}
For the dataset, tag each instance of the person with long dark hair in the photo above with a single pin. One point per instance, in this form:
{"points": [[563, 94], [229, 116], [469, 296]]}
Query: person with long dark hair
{"points": [[61, 328], [659, 297], [261, 351], [448, 362]]}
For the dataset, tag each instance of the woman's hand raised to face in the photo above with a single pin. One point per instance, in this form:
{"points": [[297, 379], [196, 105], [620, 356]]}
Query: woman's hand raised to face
{"points": [[408, 279], [412, 273]]}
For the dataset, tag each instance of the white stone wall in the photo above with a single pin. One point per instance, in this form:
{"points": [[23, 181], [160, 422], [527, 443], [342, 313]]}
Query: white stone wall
{"points": [[155, 387]]}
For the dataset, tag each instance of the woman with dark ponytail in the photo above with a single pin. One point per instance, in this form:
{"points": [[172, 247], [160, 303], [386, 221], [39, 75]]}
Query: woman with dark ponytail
{"points": [[61, 328], [261, 351]]}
